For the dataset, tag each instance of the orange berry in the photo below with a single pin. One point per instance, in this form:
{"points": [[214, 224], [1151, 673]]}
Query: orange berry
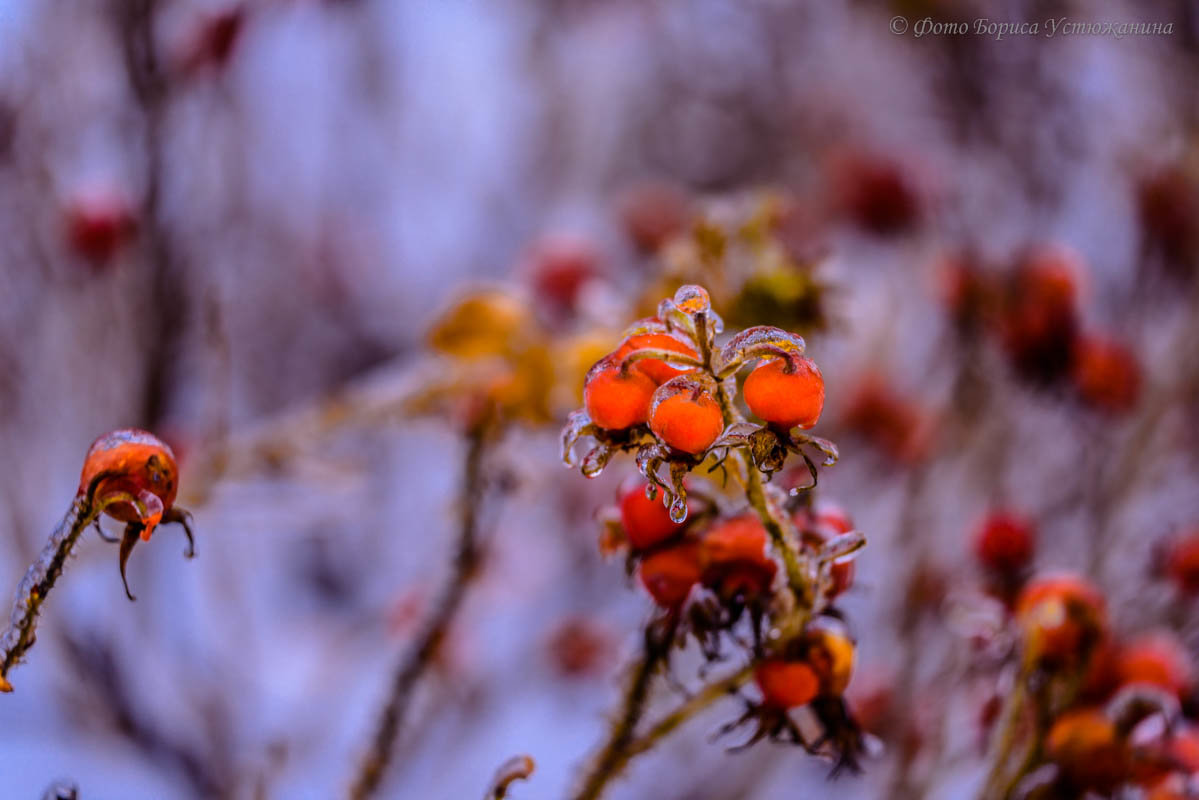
{"points": [[786, 399], [646, 522], [736, 559], [786, 684], [1063, 618], [669, 574], [831, 654], [615, 401], [659, 371], [1106, 374], [684, 417], [1087, 749], [136, 463], [1158, 659], [1005, 542]]}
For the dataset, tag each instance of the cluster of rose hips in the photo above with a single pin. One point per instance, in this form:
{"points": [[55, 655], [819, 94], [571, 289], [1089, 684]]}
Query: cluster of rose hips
{"points": [[1033, 312], [666, 393], [1116, 714]]}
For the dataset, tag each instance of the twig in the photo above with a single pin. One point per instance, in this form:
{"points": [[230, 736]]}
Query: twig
{"points": [[433, 631], [615, 753], [517, 768], [37, 583], [698, 702]]}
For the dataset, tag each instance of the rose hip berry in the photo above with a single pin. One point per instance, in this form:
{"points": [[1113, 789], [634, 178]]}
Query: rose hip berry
{"points": [[786, 684], [1182, 563], [1087, 748], [735, 557], [1158, 659], [1005, 542], [614, 399], [685, 416], [136, 463], [669, 574], [1106, 374], [786, 397], [646, 522], [1063, 618]]}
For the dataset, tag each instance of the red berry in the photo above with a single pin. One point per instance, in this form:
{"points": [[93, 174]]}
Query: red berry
{"points": [[686, 416], [1182, 563], [614, 400], [136, 463], [669, 574], [874, 192], [1106, 374], [786, 684], [736, 558], [1005, 542], [653, 213], [659, 371], [99, 221], [1158, 659], [1038, 321], [646, 522], [1063, 617], [786, 398], [559, 267]]}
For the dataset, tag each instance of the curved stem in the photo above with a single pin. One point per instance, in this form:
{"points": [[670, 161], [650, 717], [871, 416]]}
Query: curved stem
{"points": [[415, 662]]}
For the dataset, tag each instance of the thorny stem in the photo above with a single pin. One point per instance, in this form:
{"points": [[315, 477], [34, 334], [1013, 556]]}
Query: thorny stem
{"points": [[616, 750], [797, 578], [38, 582], [433, 631]]}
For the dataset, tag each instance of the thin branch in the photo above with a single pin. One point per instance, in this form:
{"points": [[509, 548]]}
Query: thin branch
{"points": [[698, 702], [435, 627], [517, 768], [615, 753], [37, 583]]}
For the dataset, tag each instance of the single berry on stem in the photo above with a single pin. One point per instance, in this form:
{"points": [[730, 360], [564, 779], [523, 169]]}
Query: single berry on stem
{"points": [[685, 415], [786, 395], [617, 399]]}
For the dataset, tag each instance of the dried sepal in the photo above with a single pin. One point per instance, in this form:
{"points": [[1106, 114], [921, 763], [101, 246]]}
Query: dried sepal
{"points": [[842, 547], [596, 459], [826, 446], [736, 435], [578, 425], [760, 341]]}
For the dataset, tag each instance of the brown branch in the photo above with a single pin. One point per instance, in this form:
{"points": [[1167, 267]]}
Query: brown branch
{"points": [[698, 702], [429, 638], [37, 583], [517, 768], [615, 755]]}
